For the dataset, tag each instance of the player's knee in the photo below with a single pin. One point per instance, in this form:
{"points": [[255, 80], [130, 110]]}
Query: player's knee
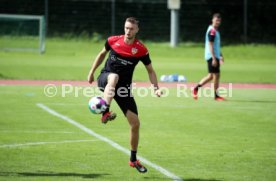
{"points": [[210, 76], [135, 125], [113, 78], [216, 76], [133, 120]]}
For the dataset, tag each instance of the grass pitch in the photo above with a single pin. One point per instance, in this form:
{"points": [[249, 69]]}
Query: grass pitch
{"points": [[199, 140], [196, 140]]}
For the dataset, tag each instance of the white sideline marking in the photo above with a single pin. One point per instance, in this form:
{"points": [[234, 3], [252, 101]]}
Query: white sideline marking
{"points": [[44, 143], [112, 143], [40, 132]]}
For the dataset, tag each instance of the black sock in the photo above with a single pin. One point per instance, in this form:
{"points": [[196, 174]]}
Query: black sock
{"points": [[216, 94], [133, 156], [107, 109], [197, 87]]}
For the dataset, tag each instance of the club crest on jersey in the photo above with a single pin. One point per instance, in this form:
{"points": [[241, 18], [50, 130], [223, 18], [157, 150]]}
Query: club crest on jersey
{"points": [[134, 51]]}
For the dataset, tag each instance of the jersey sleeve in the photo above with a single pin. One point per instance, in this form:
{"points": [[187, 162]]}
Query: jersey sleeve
{"points": [[212, 35], [107, 46], [146, 59]]}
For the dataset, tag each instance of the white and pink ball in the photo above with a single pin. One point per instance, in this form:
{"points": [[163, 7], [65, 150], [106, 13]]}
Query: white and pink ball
{"points": [[97, 105]]}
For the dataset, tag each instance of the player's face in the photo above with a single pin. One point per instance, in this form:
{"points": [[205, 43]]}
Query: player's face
{"points": [[131, 30], [216, 22]]}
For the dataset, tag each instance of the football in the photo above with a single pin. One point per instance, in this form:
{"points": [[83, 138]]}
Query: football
{"points": [[97, 105]]}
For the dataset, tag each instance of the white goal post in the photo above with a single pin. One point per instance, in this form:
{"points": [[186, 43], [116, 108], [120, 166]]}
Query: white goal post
{"points": [[41, 30], [174, 6]]}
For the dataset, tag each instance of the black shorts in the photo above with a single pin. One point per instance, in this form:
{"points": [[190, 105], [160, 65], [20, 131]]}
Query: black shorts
{"points": [[124, 100], [211, 68]]}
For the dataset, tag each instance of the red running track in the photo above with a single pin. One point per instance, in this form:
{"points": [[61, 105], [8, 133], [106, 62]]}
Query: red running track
{"points": [[137, 84]]}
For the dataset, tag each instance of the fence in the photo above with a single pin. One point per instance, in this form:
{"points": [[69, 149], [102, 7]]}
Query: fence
{"points": [[106, 17]]}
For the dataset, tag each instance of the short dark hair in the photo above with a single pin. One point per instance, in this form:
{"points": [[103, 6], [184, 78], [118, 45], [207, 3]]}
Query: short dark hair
{"points": [[216, 15], [133, 20]]}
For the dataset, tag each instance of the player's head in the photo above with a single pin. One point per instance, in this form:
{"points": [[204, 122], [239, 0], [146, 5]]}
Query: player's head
{"points": [[216, 20], [131, 27]]}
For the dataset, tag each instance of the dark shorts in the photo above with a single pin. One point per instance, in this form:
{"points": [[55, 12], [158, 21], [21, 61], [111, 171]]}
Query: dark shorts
{"points": [[124, 100], [211, 68]]}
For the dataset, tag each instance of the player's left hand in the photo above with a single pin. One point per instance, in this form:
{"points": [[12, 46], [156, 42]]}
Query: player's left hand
{"points": [[158, 92], [221, 60]]}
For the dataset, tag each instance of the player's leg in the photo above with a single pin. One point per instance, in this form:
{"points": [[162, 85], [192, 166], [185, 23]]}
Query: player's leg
{"points": [[128, 106], [216, 71], [109, 91], [134, 123], [205, 79], [202, 82], [107, 83], [216, 87], [216, 82]]}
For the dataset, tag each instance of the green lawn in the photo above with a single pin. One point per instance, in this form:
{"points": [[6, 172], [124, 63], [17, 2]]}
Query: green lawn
{"points": [[199, 140], [71, 60]]}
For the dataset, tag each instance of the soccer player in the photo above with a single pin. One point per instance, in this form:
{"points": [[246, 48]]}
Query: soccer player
{"points": [[125, 53], [213, 56]]}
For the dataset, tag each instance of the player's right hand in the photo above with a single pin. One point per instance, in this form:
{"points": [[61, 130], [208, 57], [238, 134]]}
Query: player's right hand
{"points": [[158, 92], [90, 78], [214, 62]]}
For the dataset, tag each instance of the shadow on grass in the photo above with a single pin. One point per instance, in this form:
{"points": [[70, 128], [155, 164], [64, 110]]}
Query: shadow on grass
{"points": [[184, 179], [198, 179], [157, 178], [52, 174], [253, 101], [2, 76]]}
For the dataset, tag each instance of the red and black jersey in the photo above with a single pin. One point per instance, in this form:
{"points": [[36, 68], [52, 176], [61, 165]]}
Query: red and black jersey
{"points": [[123, 58]]}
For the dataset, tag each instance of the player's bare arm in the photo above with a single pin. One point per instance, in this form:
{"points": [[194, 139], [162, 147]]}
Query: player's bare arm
{"points": [[98, 61], [153, 80], [214, 61], [221, 58]]}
